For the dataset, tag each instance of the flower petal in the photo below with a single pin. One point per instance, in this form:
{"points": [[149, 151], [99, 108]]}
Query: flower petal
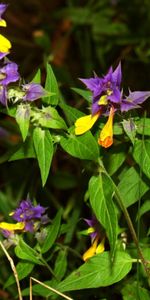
{"points": [[5, 44], [85, 123], [3, 23], [100, 248], [12, 227], [106, 135], [91, 251]]}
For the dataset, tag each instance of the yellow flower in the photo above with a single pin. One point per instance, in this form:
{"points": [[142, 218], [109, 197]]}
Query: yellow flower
{"points": [[5, 44], [94, 249], [12, 227], [106, 135], [85, 123]]}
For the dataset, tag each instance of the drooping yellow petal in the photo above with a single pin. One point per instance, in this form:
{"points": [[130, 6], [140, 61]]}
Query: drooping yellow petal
{"points": [[12, 227], [85, 123], [106, 135], [100, 248], [90, 230], [3, 23], [5, 44], [91, 251]]}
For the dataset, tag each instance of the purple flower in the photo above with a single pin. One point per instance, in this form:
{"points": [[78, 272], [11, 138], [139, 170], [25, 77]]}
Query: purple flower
{"points": [[33, 91], [2, 9], [9, 73], [94, 227], [28, 213], [133, 100], [105, 90], [3, 54]]}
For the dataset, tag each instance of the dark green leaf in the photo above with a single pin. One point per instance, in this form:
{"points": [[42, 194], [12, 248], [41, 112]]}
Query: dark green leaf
{"points": [[26, 150], [71, 113]]}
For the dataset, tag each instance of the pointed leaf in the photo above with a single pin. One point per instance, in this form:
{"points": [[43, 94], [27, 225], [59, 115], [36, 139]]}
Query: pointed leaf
{"points": [[51, 86], [98, 272], [37, 77], [23, 269], [141, 154], [101, 190], [23, 119], [44, 151], [25, 252], [52, 232], [84, 146]]}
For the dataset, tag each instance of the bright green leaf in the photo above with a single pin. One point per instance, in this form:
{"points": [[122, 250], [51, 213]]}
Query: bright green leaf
{"points": [[84, 146], [44, 151], [132, 187], [71, 113], [37, 77], [52, 233], [141, 154], [50, 118], [101, 191], [51, 86], [26, 150], [87, 95], [23, 119], [25, 252], [98, 272], [23, 269]]}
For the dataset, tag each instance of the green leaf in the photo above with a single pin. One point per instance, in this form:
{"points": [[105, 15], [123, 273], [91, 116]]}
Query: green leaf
{"points": [[71, 113], [44, 151], [141, 154], [144, 209], [26, 150], [133, 291], [23, 119], [115, 159], [84, 146], [23, 269], [37, 77], [51, 86], [52, 233], [51, 119], [60, 264], [143, 126], [87, 95], [98, 272], [100, 191], [23, 251], [132, 187]]}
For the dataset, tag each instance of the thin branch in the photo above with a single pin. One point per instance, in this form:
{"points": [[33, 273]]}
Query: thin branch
{"points": [[13, 269], [47, 287]]}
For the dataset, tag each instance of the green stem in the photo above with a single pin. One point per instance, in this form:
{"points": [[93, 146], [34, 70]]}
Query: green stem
{"points": [[128, 220]]}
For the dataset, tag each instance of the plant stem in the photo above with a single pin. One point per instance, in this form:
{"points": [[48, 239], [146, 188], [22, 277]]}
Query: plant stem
{"points": [[128, 219]]}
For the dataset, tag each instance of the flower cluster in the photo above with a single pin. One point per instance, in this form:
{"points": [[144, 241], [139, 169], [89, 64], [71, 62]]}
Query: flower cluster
{"points": [[9, 74], [28, 217], [107, 98], [95, 233]]}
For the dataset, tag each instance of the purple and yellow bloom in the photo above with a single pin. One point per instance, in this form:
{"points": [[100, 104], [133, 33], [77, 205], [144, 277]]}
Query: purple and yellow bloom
{"points": [[33, 91], [95, 234], [107, 98], [5, 44], [26, 216]]}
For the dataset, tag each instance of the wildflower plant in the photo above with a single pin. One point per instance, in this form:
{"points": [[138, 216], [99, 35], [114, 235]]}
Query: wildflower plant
{"points": [[105, 147]]}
